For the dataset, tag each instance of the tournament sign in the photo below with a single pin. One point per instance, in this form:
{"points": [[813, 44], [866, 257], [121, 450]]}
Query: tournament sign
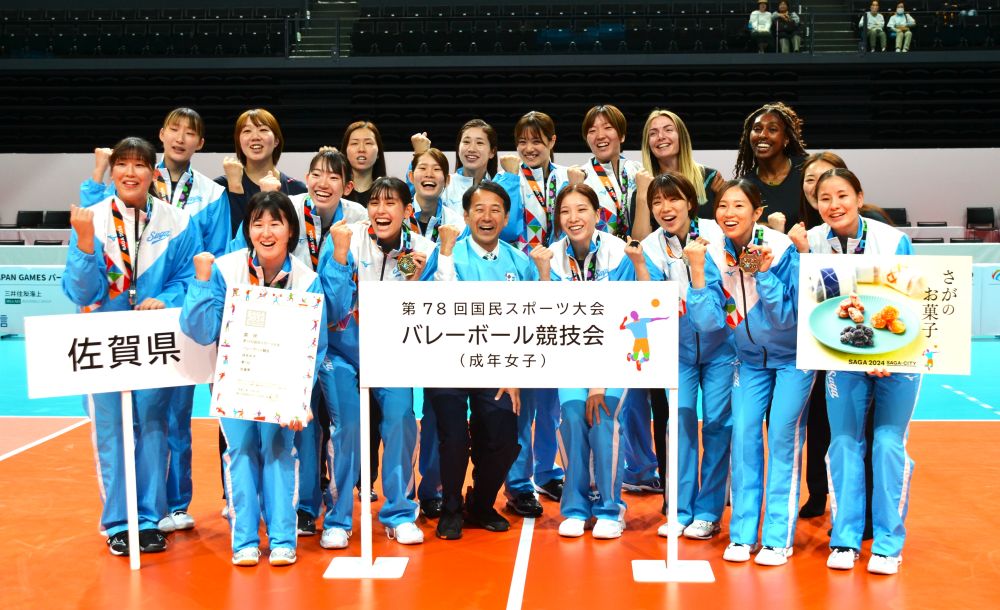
{"points": [[907, 314], [30, 290], [267, 354], [519, 334]]}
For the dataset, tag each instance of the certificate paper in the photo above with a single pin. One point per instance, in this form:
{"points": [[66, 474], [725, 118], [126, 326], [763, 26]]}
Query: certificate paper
{"points": [[267, 354]]}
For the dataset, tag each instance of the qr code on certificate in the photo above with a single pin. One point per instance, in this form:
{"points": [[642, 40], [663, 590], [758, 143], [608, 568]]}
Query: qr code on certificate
{"points": [[256, 318]]}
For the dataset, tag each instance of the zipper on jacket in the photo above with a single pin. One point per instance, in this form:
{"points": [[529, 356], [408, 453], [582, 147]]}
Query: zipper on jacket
{"points": [[697, 337], [746, 319], [385, 258]]}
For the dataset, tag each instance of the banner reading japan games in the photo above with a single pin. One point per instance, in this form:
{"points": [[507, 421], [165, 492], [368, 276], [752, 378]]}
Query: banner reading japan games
{"points": [[518, 334]]}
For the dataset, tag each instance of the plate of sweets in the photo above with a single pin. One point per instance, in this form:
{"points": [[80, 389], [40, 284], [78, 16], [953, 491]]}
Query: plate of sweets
{"points": [[867, 325]]}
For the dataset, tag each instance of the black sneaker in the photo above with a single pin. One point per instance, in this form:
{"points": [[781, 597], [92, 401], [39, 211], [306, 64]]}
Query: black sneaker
{"points": [[488, 519], [815, 506], [552, 489], [525, 504], [118, 544], [152, 541], [306, 524], [373, 496], [649, 486], [432, 509], [450, 526]]}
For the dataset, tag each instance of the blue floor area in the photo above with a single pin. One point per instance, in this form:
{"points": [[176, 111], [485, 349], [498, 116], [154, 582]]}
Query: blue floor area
{"points": [[944, 397]]}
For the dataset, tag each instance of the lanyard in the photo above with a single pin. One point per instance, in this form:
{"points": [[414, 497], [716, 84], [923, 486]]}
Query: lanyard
{"points": [[692, 235], [130, 261], [758, 240], [591, 262], [536, 234], [162, 185], [279, 281], [617, 224], [432, 224], [312, 220]]}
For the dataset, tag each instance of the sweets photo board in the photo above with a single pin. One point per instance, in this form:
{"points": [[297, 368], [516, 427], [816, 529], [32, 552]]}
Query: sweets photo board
{"points": [[907, 314]]}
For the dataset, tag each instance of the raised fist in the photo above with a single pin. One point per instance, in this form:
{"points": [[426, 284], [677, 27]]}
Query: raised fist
{"points": [[447, 236], [576, 175], [270, 183], [203, 265], [82, 221], [420, 142], [510, 163]]}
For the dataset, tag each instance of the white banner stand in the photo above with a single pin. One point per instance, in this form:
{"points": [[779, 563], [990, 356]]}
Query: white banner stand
{"points": [[131, 497], [673, 569], [357, 568]]}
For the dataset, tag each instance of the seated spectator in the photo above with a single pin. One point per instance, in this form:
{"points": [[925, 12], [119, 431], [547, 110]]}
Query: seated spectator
{"points": [[787, 25], [900, 25], [872, 24], [760, 26]]}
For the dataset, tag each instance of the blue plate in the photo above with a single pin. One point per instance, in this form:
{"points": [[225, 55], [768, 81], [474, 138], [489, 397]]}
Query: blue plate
{"points": [[826, 326]]}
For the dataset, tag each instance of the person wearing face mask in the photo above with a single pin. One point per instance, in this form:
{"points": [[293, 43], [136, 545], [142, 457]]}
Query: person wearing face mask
{"points": [[489, 436], [429, 179], [706, 356], [383, 248], [532, 181], [770, 156], [261, 462], [872, 25], [760, 269], [901, 25], [613, 178], [475, 159], [175, 180], [362, 143], [328, 181], [114, 264], [851, 395], [259, 142], [591, 423]]}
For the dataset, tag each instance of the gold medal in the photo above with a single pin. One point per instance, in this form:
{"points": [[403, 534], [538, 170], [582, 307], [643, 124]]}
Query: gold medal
{"points": [[749, 261], [406, 265]]}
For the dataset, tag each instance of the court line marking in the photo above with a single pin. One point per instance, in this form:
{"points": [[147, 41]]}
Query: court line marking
{"points": [[971, 398], [516, 596], [44, 439]]}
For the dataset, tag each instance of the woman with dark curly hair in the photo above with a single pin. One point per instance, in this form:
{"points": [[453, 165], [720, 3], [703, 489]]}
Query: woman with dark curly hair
{"points": [[771, 153]]}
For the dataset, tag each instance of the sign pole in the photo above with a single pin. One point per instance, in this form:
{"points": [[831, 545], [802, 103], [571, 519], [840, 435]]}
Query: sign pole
{"points": [[365, 567], [674, 569], [131, 497]]}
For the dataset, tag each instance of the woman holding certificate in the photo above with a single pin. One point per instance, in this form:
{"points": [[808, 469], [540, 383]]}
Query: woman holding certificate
{"points": [[260, 461], [760, 277], [849, 394], [592, 419]]}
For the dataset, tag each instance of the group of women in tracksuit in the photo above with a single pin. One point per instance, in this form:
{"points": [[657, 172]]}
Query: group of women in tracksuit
{"points": [[522, 218]]}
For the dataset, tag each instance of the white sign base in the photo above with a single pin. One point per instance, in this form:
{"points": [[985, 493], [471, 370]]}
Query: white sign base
{"points": [[657, 570], [131, 496], [364, 567]]}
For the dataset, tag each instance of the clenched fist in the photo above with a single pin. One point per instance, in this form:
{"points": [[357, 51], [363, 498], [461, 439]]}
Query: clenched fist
{"points": [[447, 236], [420, 142], [576, 175], [102, 161], [510, 163], [203, 266], [82, 221], [270, 183], [799, 237], [341, 235]]}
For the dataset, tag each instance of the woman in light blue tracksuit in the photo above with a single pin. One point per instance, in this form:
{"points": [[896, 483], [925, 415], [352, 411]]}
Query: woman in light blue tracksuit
{"points": [[849, 395], [760, 270], [706, 355], [585, 436], [261, 462]]}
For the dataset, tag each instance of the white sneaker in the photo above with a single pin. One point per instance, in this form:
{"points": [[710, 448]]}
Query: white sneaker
{"points": [[282, 556], [407, 533], [572, 527], [607, 529], [882, 564], [182, 520], [664, 530], [334, 538], [166, 524], [702, 530], [246, 557], [773, 556], [737, 552], [842, 559]]}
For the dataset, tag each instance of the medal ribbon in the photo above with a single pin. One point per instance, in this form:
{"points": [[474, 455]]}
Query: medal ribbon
{"points": [[162, 185], [537, 235], [279, 281], [432, 224], [312, 230], [123, 281], [591, 262], [617, 223]]}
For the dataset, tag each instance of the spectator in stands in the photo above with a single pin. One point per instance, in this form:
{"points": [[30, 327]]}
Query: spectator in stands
{"points": [[770, 155], [760, 26], [259, 143], [872, 24], [900, 25], [787, 26], [362, 144]]}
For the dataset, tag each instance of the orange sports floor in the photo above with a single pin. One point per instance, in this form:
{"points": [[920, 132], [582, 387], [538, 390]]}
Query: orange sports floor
{"points": [[54, 557]]}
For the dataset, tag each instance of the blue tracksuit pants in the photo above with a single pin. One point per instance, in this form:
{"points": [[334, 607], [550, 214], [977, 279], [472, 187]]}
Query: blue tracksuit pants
{"points": [[307, 443], [179, 488], [429, 461], [640, 459], [261, 475], [848, 395], [786, 389], [703, 497], [537, 458], [579, 444], [149, 416]]}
